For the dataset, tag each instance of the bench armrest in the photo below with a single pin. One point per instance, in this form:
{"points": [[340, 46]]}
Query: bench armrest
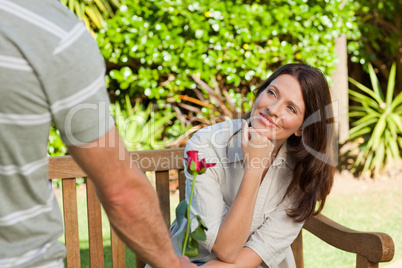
{"points": [[376, 247]]}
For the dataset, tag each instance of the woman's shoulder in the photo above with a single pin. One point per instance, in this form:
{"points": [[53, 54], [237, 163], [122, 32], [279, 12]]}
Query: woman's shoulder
{"points": [[222, 129], [215, 137], [219, 133]]}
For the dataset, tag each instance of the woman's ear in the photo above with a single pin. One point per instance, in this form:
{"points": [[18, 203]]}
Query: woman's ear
{"points": [[298, 133]]}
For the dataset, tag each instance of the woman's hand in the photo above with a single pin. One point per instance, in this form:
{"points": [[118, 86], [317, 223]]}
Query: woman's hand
{"points": [[257, 149]]}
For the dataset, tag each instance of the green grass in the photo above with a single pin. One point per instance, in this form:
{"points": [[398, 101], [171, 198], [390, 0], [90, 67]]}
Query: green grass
{"points": [[375, 211]]}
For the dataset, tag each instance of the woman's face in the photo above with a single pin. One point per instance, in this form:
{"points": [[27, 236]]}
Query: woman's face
{"points": [[279, 110]]}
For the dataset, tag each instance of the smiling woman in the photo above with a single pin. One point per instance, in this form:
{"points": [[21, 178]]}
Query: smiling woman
{"points": [[304, 89], [272, 169]]}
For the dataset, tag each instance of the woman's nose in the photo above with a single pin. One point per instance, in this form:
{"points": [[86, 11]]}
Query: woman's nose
{"points": [[274, 109]]}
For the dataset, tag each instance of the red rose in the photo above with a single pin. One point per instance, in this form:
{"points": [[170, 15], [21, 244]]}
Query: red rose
{"points": [[194, 165]]}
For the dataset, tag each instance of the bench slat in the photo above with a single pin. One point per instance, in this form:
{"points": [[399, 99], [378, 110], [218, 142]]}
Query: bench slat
{"points": [[71, 222], [182, 185], [61, 167], [162, 189], [139, 263], [297, 248], [152, 160], [158, 160], [94, 227], [118, 251], [363, 262]]}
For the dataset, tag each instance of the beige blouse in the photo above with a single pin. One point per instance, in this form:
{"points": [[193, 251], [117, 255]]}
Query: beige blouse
{"points": [[272, 231]]}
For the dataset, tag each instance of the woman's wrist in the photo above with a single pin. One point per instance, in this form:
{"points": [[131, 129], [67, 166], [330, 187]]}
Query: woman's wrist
{"points": [[254, 171]]}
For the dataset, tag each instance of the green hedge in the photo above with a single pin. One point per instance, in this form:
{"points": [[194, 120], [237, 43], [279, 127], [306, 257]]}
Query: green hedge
{"points": [[379, 35], [157, 49]]}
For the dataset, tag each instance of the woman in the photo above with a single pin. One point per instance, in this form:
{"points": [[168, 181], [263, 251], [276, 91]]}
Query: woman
{"points": [[272, 169]]}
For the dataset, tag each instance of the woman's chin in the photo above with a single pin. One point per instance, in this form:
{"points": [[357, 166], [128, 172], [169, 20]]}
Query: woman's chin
{"points": [[266, 132]]}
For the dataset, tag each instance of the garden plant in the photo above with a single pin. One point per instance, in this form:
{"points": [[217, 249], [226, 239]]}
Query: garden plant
{"points": [[377, 125]]}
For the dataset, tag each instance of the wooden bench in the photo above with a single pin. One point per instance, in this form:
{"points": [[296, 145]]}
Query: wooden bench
{"points": [[370, 248]]}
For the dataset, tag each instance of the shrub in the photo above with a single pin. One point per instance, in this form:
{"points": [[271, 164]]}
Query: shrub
{"points": [[146, 127], [378, 39], [185, 50], [378, 124], [55, 145], [92, 12]]}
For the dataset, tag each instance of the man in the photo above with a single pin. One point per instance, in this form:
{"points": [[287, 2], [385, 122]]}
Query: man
{"points": [[51, 71]]}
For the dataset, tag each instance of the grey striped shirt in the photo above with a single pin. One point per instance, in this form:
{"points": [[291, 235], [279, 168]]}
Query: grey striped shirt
{"points": [[51, 70]]}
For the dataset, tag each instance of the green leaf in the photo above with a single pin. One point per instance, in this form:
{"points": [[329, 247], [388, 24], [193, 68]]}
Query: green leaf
{"points": [[129, 108], [181, 210], [367, 110], [397, 120], [363, 99], [367, 163], [192, 249], [102, 6], [365, 89], [369, 122], [359, 133], [356, 114], [199, 234], [391, 84], [358, 108], [377, 133], [360, 158], [375, 83], [392, 127], [398, 111], [94, 15], [373, 117], [201, 223], [393, 145], [397, 101], [379, 158]]}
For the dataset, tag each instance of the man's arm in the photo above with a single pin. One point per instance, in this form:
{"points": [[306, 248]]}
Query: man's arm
{"points": [[128, 199]]}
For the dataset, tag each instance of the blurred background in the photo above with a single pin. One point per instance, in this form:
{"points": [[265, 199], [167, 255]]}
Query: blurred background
{"points": [[176, 66]]}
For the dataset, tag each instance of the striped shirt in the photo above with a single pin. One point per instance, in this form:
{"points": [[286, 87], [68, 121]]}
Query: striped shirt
{"points": [[51, 70]]}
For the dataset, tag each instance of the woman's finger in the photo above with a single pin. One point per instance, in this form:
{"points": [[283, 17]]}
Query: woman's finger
{"points": [[253, 133], [245, 131]]}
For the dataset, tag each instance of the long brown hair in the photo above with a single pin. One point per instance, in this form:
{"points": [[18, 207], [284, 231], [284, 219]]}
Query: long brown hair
{"points": [[314, 164]]}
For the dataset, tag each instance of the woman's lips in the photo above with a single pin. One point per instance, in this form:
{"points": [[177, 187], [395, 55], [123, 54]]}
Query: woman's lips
{"points": [[267, 121]]}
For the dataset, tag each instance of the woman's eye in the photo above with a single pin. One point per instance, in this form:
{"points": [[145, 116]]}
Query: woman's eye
{"points": [[293, 110], [271, 92]]}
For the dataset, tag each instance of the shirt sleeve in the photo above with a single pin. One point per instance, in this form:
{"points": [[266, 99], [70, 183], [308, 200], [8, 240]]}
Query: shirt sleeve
{"points": [[74, 83], [272, 240], [207, 198]]}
